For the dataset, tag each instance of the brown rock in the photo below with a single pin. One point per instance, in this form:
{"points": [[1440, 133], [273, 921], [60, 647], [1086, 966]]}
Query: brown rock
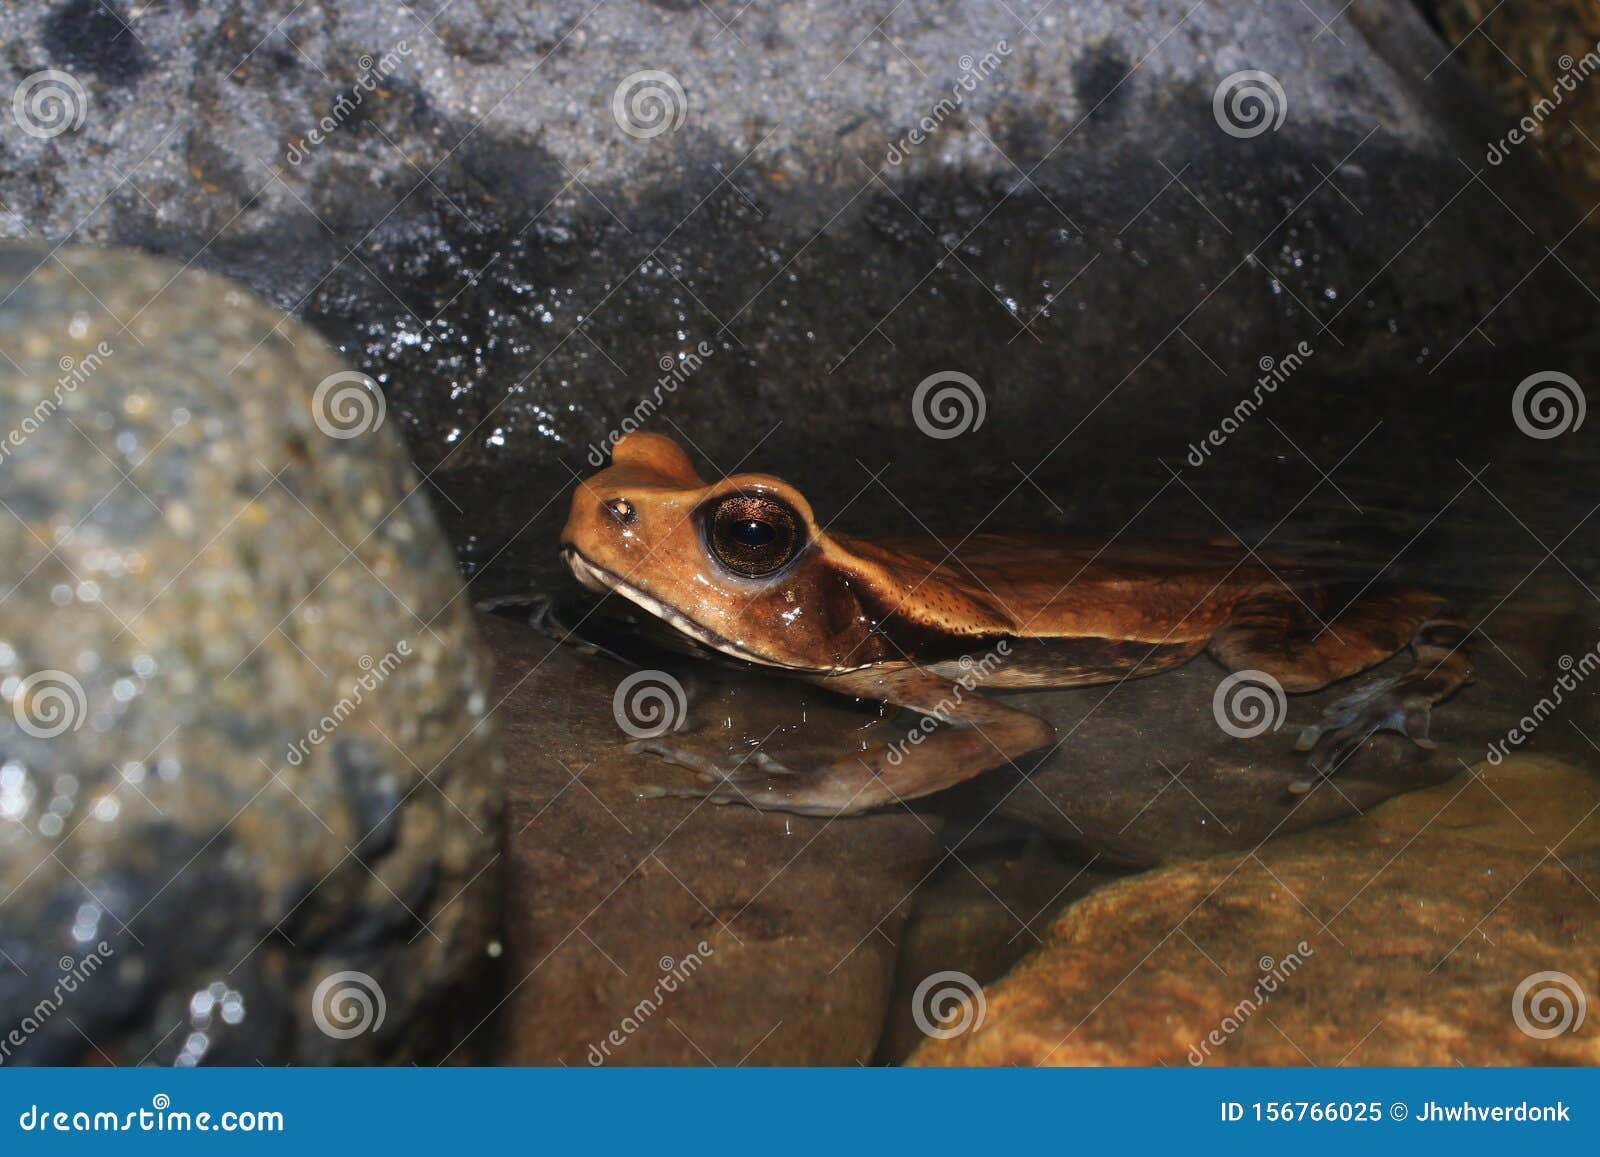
{"points": [[696, 934], [1400, 938], [1525, 58]]}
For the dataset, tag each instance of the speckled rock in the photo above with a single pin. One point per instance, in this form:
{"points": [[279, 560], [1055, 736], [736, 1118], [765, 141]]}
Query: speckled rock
{"points": [[1456, 925], [1539, 65], [667, 931], [450, 192], [245, 784]]}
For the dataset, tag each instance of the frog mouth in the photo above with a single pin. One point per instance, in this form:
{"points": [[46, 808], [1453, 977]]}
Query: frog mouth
{"points": [[598, 578]]}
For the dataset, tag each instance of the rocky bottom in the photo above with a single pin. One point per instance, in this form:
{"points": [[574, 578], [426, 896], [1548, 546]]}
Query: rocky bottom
{"points": [[1148, 895]]}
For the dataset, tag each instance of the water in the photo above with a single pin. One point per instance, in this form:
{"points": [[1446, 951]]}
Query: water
{"points": [[1427, 480]]}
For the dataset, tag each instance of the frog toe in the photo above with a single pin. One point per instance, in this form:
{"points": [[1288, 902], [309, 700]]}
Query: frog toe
{"points": [[1385, 705], [757, 780], [706, 770]]}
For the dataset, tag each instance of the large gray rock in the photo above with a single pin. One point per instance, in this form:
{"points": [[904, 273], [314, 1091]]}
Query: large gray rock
{"points": [[243, 748], [479, 230]]}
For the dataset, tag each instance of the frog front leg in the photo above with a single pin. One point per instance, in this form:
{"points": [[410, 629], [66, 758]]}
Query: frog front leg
{"points": [[959, 734], [1275, 633]]}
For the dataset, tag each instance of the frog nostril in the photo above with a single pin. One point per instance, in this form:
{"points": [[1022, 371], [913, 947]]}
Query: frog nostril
{"points": [[623, 511]]}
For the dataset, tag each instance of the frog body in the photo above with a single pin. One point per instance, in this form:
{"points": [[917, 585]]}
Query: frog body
{"points": [[742, 567]]}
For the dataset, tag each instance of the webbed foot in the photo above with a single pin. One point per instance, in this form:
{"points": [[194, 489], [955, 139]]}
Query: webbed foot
{"points": [[757, 781], [1400, 703]]}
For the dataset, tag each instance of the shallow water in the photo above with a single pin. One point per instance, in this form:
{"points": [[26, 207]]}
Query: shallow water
{"points": [[1428, 481]]}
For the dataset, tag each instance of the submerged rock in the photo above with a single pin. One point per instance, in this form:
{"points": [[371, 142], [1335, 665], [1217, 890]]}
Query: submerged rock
{"points": [[248, 803], [1146, 773], [1456, 925], [983, 912], [666, 931]]}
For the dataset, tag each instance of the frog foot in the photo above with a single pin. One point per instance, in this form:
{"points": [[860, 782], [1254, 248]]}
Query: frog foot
{"points": [[1400, 703], [757, 780]]}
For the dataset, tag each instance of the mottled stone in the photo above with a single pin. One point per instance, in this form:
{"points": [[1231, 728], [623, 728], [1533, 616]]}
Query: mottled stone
{"points": [[1534, 62], [242, 747], [1414, 936], [778, 932]]}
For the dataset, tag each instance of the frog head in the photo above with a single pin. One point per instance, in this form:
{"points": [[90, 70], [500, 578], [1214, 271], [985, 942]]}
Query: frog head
{"points": [[738, 565]]}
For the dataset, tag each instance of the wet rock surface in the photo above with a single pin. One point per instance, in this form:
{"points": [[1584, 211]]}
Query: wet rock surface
{"points": [[665, 931], [244, 785], [1455, 925], [450, 193]]}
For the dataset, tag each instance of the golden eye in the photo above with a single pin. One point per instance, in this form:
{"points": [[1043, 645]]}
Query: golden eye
{"points": [[753, 535], [622, 510]]}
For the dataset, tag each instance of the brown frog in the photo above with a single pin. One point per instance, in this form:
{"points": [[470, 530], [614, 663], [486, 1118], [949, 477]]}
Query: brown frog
{"points": [[742, 568]]}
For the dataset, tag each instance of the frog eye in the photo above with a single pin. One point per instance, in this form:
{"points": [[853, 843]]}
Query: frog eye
{"points": [[753, 535]]}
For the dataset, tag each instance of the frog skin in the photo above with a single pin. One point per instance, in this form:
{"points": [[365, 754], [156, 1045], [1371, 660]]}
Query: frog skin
{"points": [[742, 568]]}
